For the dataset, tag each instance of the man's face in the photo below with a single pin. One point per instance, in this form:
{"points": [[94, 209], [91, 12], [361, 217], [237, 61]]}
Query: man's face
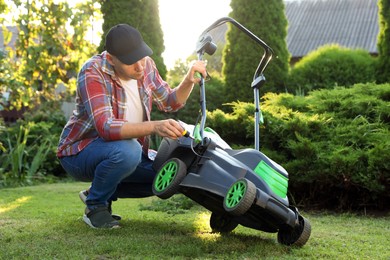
{"points": [[127, 72]]}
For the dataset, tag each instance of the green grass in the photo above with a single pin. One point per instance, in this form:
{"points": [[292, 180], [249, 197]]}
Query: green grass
{"points": [[44, 222]]}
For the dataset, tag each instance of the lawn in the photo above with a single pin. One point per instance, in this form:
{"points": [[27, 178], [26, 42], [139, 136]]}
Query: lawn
{"points": [[44, 222]]}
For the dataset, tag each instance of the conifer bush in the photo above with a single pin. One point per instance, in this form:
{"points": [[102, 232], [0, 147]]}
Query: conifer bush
{"points": [[330, 66], [334, 143]]}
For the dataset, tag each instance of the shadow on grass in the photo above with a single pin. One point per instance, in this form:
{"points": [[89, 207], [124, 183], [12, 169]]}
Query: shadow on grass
{"points": [[176, 239], [53, 229]]}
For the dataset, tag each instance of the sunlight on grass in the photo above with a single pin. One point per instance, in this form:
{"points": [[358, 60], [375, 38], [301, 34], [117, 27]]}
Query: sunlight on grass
{"points": [[202, 226], [46, 223], [15, 204]]}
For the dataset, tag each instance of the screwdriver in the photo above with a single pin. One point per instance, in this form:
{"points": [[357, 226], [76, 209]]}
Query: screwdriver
{"points": [[187, 134]]}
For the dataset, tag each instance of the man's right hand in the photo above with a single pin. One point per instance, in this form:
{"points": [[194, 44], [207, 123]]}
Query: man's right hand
{"points": [[168, 128]]}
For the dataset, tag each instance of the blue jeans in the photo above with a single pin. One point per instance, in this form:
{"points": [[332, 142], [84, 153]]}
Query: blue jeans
{"points": [[117, 169]]}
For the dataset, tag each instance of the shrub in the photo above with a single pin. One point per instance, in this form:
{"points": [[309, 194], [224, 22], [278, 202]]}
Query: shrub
{"points": [[30, 145], [334, 146], [331, 66], [334, 143], [23, 156], [49, 122], [236, 128]]}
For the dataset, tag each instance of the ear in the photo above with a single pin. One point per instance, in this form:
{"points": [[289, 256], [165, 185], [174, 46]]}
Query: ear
{"points": [[110, 59]]}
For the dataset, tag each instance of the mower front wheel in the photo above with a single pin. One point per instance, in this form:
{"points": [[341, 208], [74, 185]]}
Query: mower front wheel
{"points": [[222, 223], [297, 236], [240, 197], [167, 180]]}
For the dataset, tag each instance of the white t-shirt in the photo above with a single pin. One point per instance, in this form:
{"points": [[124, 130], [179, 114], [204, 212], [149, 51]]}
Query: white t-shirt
{"points": [[134, 112]]}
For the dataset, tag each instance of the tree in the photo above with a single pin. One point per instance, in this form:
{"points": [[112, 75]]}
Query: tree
{"points": [[49, 51], [3, 6], [384, 42], [266, 19], [141, 14]]}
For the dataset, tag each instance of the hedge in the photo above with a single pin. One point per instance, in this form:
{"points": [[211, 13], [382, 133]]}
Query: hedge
{"points": [[330, 66], [334, 143]]}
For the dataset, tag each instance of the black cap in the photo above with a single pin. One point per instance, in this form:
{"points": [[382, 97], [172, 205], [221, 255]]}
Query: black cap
{"points": [[126, 43]]}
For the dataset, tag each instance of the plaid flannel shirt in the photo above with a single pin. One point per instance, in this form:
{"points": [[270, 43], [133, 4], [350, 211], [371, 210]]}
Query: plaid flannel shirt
{"points": [[100, 104]]}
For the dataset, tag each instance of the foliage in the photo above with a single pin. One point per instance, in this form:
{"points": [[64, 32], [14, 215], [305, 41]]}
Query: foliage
{"points": [[48, 121], [48, 53], [29, 153], [267, 20], [141, 14], [3, 10], [21, 160], [237, 127], [178, 72], [5, 78], [383, 73], [331, 66], [331, 140], [2, 129], [338, 144], [3, 6], [50, 48]]}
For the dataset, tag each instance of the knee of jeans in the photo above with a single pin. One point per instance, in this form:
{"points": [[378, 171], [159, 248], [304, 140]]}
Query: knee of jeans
{"points": [[127, 154]]}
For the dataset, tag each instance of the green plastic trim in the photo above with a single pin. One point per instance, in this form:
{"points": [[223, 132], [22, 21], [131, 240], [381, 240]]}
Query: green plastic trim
{"points": [[277, 182], [198, 138], [196, 134], [235, 194], [165, 176]]}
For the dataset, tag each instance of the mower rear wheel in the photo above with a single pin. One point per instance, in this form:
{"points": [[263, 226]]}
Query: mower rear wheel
{"points": [[167, 181], [239, 197], [297, 236], [222, 223]]}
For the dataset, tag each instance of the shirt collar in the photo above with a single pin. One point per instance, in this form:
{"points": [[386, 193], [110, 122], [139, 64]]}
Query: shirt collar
{"points": [[106, 66], [109, 69]]}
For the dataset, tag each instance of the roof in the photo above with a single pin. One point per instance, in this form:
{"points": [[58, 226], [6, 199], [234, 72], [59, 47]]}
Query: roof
{"points": [[314, 23]]}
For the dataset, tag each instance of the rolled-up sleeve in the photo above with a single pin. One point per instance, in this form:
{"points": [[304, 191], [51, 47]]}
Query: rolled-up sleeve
{"points": [[163, 95]]}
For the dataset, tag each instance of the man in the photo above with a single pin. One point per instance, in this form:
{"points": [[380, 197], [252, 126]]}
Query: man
{"points": [[105, 140]]}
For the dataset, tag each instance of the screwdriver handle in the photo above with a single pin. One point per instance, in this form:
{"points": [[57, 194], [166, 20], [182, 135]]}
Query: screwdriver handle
{"points": [[187, 134]]}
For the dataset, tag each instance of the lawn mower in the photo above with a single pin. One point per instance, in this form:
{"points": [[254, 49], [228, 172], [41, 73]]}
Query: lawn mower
{"points": [[239, 187]]}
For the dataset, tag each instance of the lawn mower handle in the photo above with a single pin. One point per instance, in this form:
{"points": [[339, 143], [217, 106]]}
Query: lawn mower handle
{"points": [[205, 45], [268, 52]]}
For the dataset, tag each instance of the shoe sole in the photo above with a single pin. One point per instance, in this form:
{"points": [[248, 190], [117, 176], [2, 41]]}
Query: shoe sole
{"points": [[83, 197]]}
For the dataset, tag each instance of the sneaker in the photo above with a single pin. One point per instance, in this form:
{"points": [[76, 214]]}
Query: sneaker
{"points": [[100, 218], [83, 197]]}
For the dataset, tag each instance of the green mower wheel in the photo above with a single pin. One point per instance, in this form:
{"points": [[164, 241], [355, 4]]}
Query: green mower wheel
{"points": [[167, 180], [240, 197]]}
